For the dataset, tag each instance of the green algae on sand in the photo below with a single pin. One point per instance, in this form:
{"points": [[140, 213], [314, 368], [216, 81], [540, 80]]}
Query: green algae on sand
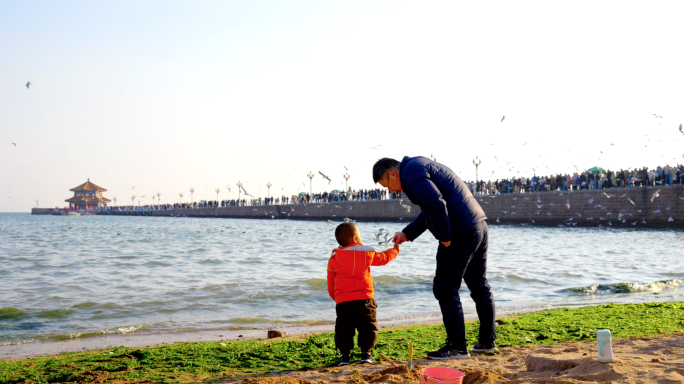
{"points": [[192, 362]]}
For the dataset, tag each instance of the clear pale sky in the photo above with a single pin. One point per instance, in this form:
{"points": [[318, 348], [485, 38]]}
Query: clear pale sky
{"points": [[168, 95]]}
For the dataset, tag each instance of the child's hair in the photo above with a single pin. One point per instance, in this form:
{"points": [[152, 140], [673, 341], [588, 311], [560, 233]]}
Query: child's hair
{"points": [[344, 234]]}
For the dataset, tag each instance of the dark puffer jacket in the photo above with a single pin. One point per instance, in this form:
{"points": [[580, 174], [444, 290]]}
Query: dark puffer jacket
{"points": [[444, 199]]}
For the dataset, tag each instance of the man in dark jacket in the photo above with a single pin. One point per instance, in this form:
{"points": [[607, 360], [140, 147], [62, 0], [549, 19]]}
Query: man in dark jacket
{"points": [[451, 213]]}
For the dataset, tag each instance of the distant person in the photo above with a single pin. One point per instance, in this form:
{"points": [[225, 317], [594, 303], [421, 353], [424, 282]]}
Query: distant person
{"points": [[451, 213], [350, 284]]}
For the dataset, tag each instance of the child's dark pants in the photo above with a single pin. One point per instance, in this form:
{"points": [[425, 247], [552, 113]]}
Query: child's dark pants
{"points": [[352, 316]]}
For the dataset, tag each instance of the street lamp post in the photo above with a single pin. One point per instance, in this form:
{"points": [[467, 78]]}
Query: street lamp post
{"points": [[310, 176], [181, 197], [192, 191], [158, 196], [239, 185], [346, 179], [477, 163], [36, 203], [268, 185], [133, 201], [217, 192], [114, 199]]}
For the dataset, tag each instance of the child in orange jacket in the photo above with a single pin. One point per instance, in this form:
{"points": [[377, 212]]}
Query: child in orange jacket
{"points": [[350, 284]]}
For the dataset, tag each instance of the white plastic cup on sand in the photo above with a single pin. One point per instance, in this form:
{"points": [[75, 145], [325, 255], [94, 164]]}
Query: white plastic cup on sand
{"points": [[605, 346]]}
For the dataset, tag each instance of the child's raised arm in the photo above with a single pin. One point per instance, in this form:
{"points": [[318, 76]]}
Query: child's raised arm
{"points": [[382, 258]]}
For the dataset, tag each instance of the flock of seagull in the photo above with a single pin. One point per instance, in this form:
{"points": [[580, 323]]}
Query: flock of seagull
{"points": [[406, 207], [622, 217]]}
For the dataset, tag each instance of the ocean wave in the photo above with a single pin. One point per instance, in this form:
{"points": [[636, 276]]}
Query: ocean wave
{"points": [[94, 333], [401, 280], [515, 277], [264, 320], [217, 287], [157, 264], [11, 313], [655, 286], [316, 283], [76, 335], [54, 313], [211, 261]]}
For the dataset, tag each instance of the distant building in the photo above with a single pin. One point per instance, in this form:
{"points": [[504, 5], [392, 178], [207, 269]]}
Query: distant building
{"points": [[87, 195]]}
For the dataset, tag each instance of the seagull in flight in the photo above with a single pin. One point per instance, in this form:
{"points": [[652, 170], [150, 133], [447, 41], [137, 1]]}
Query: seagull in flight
{"points": [[503, 118], [325, 177], [376, 147], [611, 143], [656, 116], [377, 237], [15, 144], [346, 169], [655, 194], [680, 129], [28, 84], [133, 188]]}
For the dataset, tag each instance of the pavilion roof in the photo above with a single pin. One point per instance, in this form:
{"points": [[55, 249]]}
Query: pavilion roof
{"points": [[88, 186], [78, 199]]}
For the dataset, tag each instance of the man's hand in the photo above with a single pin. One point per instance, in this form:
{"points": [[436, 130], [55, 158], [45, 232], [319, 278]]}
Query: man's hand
{"points": [[446, 243], [399, 238]]}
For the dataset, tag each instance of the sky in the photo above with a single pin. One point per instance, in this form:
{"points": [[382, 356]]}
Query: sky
{"points": [[165, 96]]}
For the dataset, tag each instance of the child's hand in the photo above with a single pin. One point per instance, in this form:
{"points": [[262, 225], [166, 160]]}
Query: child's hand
{"points": [[396, 246]]}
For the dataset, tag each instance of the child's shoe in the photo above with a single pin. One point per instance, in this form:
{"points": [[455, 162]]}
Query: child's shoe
{"points": [[449, 352], [344, 360], [367, 358]]}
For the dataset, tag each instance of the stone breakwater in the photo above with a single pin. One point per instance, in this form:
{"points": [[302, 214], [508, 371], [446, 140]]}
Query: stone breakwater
{"points": [[376, 210], [624, 207]]}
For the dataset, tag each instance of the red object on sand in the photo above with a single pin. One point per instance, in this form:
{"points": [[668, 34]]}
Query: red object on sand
{"points": [[441, 375]]}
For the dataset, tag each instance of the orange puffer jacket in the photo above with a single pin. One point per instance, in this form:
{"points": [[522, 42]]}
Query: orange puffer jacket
{"points": [[349, 277]]}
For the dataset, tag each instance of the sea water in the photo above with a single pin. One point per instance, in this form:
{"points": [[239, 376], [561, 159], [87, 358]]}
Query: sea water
{"points": [[67, 277]]}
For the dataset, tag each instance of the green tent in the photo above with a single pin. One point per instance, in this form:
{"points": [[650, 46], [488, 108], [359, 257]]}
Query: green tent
{"points": [[335, 191], [302, 193], [596, 170]]}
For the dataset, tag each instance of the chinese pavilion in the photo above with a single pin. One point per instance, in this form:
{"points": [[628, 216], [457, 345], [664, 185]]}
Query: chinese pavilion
{"points": [[87, 196]]}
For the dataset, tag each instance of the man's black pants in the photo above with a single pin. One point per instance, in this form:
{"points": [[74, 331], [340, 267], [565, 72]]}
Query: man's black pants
{"points": [[352, 316], [465, 259]]}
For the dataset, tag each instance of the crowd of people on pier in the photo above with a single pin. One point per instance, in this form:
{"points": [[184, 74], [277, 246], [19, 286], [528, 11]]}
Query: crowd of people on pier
{"points": [[302, 198], [600, 179]]}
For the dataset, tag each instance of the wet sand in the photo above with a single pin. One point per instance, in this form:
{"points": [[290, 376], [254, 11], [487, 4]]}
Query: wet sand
{"points": [[651, 360]]}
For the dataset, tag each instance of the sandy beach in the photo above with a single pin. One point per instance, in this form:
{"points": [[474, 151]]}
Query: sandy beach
{"points": [[637, 360]]}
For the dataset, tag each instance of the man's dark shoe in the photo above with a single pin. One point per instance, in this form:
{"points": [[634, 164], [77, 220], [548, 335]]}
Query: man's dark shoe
{"points": [[449, 352], [367, 358], [484, 348], [344, 360]]}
